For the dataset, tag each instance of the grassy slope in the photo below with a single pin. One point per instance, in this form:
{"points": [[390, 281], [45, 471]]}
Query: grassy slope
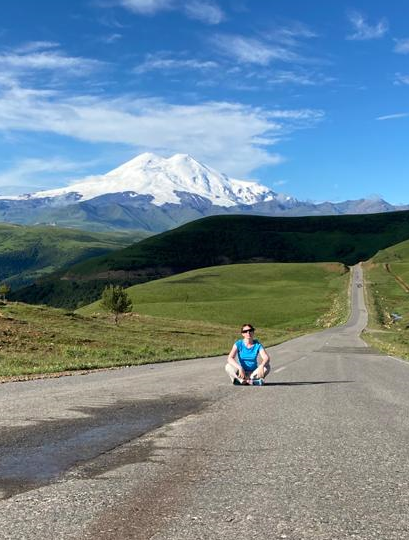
{"points": [[385, 296], [38, 339], [397, 253], [237, 238], [27, 253], [224, 240], [272, 295]]}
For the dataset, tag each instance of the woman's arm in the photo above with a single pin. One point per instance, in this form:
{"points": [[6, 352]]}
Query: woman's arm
{"points": [[231, 359], [259, 372], [265, 358]]}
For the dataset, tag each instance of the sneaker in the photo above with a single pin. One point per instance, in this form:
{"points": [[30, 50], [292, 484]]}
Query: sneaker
{"points": [[240, 382], [257, 382]]}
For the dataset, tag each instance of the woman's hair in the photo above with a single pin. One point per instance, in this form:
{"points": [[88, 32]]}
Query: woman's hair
{"points": [[249, 325]]}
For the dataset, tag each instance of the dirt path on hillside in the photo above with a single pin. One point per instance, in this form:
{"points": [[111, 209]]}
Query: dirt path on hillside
{"points": [[397, 278]]}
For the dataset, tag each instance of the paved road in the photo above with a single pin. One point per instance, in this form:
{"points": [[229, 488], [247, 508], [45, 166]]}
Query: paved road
{"points": [[319, 453]]}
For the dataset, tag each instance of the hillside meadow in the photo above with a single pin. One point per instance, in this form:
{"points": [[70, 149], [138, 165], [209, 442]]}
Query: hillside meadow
{"points": [[199, 315], [273, 295], [29, 253], [223, 240], [387, 293]]}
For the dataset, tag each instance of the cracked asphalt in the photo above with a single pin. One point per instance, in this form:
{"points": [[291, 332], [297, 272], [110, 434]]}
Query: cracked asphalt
{"points": [[174, 452]]}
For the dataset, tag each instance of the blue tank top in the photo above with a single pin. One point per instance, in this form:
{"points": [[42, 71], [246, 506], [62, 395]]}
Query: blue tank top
{"points": [[248, 355]]}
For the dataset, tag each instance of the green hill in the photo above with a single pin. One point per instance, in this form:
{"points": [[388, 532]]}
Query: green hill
{"points": [[222, 240], [27, 253], [396, 253], [284, 301], [387, 287], [270, 295]]}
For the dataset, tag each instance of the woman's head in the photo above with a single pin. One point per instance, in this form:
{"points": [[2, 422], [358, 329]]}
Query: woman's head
{"points": [[247, 329]]}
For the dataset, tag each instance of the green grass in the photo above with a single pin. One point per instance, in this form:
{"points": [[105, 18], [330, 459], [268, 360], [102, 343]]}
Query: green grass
{"points": [[397, 253], [300, 299], [286, 296], [39, 340], [29, 253], [385, 295], [401, 269], [221, 240]]}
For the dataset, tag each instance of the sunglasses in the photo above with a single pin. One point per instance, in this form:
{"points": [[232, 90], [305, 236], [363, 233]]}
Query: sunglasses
{"points": [[247, 330]]}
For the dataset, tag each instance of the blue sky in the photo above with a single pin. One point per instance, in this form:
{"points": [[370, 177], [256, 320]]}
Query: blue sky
{"points": [[310, 98]]}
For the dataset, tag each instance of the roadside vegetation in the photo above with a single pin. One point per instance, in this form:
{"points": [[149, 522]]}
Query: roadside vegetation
{"points": [[191, 315], [387, 295]]}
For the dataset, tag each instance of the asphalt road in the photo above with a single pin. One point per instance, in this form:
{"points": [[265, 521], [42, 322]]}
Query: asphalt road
{"points": [[173, 451]]}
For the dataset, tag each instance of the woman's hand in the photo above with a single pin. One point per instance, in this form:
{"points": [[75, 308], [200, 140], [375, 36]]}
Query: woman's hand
{"points": [[241, 373], [259, 373]]}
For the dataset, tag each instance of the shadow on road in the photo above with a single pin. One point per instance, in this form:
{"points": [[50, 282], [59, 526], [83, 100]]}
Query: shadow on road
{"points": [[303, 383], [36, 455]]}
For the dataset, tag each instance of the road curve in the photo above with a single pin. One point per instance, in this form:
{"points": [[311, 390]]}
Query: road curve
{"points": [[172, 451]]}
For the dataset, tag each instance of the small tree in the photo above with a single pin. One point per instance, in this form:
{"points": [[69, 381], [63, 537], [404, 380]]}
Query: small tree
{"points": [[4, 290], [116, 300]]}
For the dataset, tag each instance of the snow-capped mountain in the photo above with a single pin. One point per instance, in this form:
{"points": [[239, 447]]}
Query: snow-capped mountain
{"points": [[163, 180], [154, 193]]}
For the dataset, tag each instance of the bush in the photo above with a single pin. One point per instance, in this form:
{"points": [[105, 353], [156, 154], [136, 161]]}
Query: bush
{"points": [[116, 300]]}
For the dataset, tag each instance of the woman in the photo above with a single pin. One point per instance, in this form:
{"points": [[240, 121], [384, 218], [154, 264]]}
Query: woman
{"points": [[242, 362]]}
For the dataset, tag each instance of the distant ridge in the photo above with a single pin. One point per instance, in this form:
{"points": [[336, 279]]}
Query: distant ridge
{"points": [[156, 194], [28, 253]]}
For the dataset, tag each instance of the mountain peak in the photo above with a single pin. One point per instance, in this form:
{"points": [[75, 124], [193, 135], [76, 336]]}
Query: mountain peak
{"points": [[144, 160], [166, 180], [183, 158]]}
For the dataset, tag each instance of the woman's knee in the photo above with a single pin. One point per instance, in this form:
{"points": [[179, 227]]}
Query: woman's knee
{"points": [[230, 369]]}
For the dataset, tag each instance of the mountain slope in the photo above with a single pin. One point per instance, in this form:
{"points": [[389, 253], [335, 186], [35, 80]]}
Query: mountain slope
{"points": [[224, 240], [163, 180], [157, 194], [27, 253]]}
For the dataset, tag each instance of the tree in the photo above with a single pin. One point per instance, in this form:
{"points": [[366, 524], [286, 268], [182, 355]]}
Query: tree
{"points": [[4, 290], [116, 300]]}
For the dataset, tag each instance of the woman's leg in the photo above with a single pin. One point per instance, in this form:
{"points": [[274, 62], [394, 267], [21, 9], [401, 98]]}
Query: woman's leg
{"points": [[267, 369], [231, 372]]}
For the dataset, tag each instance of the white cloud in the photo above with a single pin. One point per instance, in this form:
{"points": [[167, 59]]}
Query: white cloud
{"points": [[363, 30], [7, 80], [303, 78], [207, 12], [297, 114], [279, 183], [33, 57], [232, 137], [147, 7], [402, 46], [400, 78], [54, 61], [393, 116], [290, 35], [253, 51], [34, 171], [111, 38], [163, 62], [35, 46], [279, 44]]}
